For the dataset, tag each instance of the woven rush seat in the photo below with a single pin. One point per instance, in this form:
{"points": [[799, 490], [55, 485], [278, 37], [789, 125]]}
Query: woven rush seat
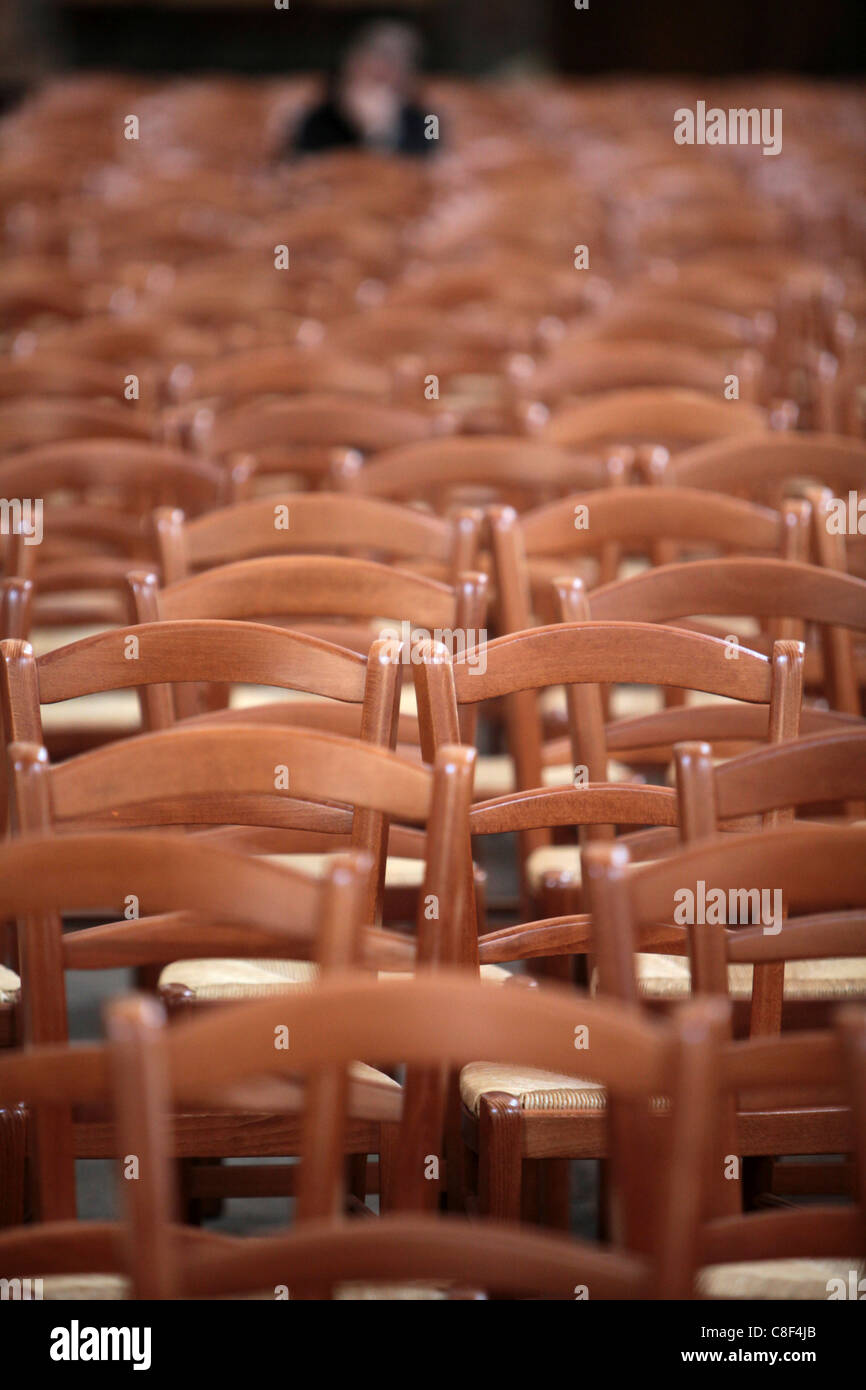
{"points": [[84, 1288], [114, 1288], [535, 1089], [776, 1279], [10, 986], [668, 977], [256, 979], [563, 860]]}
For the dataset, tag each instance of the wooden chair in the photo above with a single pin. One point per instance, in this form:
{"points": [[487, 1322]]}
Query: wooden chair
{"points": [[358, 694], [818, 775], [762, 465], [610, 525], [396, 329], [771, 1254], [759, 588], [511, 1115], [25, 423], [821, 467], [111, 484], [272, 816], [47, 373], [334, 597], [582, 656], [826, 770], [317, 523], [839, 390], [699, 327], [712, 280], [96, 496], [309, 436], [521, 472], [237, 376], [590, 369], [135, 338], [593, 533], [277, 780], [194, 898], [673, 419], [600, 527], [816, 873], [34, 286], [633, 1057], [123, 681]]}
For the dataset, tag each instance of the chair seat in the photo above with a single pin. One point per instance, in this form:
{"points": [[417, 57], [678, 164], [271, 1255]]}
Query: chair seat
{"points": [[237, 979], [535, 1089], [10, 986], [669, 977], [93, 1288], [776, 1279], [563, 860], [117, 710], [494, 775], [399, 873], [89, 1288], [403, 1293], [258, 979], [629, 701], [754, 1279], [626, 702]]}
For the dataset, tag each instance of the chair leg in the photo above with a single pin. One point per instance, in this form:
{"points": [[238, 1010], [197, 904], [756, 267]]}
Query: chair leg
{"points": [[559, 897], [458, 1159], [602, 1231], [757, 1180], [387, 1174], [357, 1176], [556, 1193], [147, 978], [499, 1156], [13, 1158], [195, 1210], [530, 1197]]}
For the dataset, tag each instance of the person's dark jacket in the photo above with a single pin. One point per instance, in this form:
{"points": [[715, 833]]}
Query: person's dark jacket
{"points": [[327, 127]]}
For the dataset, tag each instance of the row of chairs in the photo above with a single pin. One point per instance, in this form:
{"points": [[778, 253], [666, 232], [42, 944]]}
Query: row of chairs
{"points": [[669, 1081], [421, 625]]}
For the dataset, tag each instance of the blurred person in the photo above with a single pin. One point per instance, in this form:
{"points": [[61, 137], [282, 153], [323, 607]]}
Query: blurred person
{"points": [[369, 102]]}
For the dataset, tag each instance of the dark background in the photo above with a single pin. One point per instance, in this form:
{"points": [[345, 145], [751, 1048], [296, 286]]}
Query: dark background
{"points": [[466, 36]]}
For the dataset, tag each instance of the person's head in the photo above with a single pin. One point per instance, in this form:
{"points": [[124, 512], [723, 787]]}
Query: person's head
{"points": [[384, 54]]}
